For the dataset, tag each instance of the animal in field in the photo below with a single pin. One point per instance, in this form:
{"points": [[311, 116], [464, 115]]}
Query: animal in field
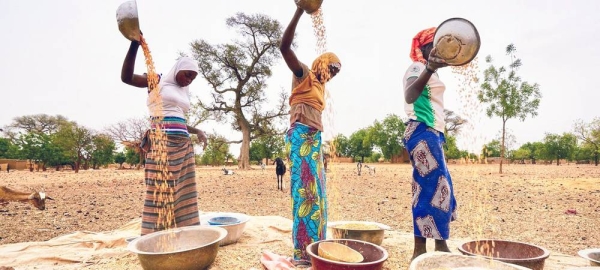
{"points": [[35, 198], [370, 168], [228, 172], [280, 172]]}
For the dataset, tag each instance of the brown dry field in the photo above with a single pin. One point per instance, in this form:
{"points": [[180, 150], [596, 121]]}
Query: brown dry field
{"points": [[527, 203]]}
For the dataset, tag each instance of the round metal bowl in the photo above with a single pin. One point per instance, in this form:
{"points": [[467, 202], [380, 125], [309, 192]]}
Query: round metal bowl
{"points": [[523, 254], [457, 41], [185, 248], [374, 236], [309, 6], [592, 255], [445, 260], [234, 231], [374, 256], [127, 19]]}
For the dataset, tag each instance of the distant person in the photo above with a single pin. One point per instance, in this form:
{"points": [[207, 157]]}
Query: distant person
{"points": [[433, 203], [359, 167], [175, 95], [307, 102]]}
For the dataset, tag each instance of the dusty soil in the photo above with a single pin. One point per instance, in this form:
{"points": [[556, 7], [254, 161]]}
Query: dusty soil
{"points": [[557, 207]]}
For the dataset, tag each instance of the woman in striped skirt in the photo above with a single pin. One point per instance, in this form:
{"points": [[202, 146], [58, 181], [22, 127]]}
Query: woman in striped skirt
{"points": [[171, 198]]}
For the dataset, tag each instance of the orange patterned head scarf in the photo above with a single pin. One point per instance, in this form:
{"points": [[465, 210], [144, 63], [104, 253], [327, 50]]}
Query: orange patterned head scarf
{"points": [[422, 38], [321, 65], [311, 91]]}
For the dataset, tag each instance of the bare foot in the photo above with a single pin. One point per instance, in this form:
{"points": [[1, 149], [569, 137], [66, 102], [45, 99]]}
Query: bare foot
{"points": [[442, 246]]}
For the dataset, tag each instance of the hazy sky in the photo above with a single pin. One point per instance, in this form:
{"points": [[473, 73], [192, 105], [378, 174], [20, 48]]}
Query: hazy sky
{"points": [[64, 57]]}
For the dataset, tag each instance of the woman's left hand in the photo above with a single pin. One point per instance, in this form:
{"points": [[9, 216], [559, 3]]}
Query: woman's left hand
{"points": [[434, 62], [202, 138]]}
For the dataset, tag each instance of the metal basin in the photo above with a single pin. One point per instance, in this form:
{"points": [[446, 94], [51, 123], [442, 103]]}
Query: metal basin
{"points": [[445, 260], [526, 255], [592, 255], [457, 41], [374, 236], [127, 19], [374, 256], [234, 231], [186, 248], [309, 6]]}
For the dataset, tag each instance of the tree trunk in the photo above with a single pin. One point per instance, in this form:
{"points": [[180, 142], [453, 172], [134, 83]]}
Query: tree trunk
{"points": [[244, 162], [142, 158], [77, 164], [502, 145], [596, 158], [557, 161]]}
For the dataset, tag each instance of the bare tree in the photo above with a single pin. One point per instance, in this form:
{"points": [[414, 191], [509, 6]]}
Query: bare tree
{"points": [[41, 123], [129, 133], [453, 121], [238, 73]]}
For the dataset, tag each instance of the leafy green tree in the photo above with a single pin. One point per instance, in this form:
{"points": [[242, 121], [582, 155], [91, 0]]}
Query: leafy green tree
{"points": [[375, 157], [8, 149], [559, 146], [120, 158], [33, 147], [583, 153], [507, 94], [521, 154], [237, 73], [589, 134], [452, 151], [360, 144], [74, 140], [131, 156], [40, 148], [534, 149], [268, 147], [491, 149], [101, 150], [387, 135], [341, 146], [216, 152]]}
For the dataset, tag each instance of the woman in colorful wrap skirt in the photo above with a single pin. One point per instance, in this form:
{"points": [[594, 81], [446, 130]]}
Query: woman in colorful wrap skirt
{"points": [[303, 141], [182, 209], [433, 202]]}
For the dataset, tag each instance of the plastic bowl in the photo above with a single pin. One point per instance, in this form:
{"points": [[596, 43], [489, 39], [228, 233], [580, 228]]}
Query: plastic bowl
{"points": [[234, 231], [223, 221]]}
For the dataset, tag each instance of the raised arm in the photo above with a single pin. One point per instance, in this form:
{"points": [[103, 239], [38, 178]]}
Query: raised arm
{"points": [[127, 75], [286, 45]]}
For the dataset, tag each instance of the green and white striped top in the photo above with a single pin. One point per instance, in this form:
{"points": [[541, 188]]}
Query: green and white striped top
{"points": [[429, 107]]}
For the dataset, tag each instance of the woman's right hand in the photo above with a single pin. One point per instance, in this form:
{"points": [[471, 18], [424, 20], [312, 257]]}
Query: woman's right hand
{"points": [[434, 62]]}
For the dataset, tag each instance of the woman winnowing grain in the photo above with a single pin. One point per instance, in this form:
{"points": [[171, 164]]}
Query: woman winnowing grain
{"points": [[175, 96], [433, 202], [303, 141]]}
